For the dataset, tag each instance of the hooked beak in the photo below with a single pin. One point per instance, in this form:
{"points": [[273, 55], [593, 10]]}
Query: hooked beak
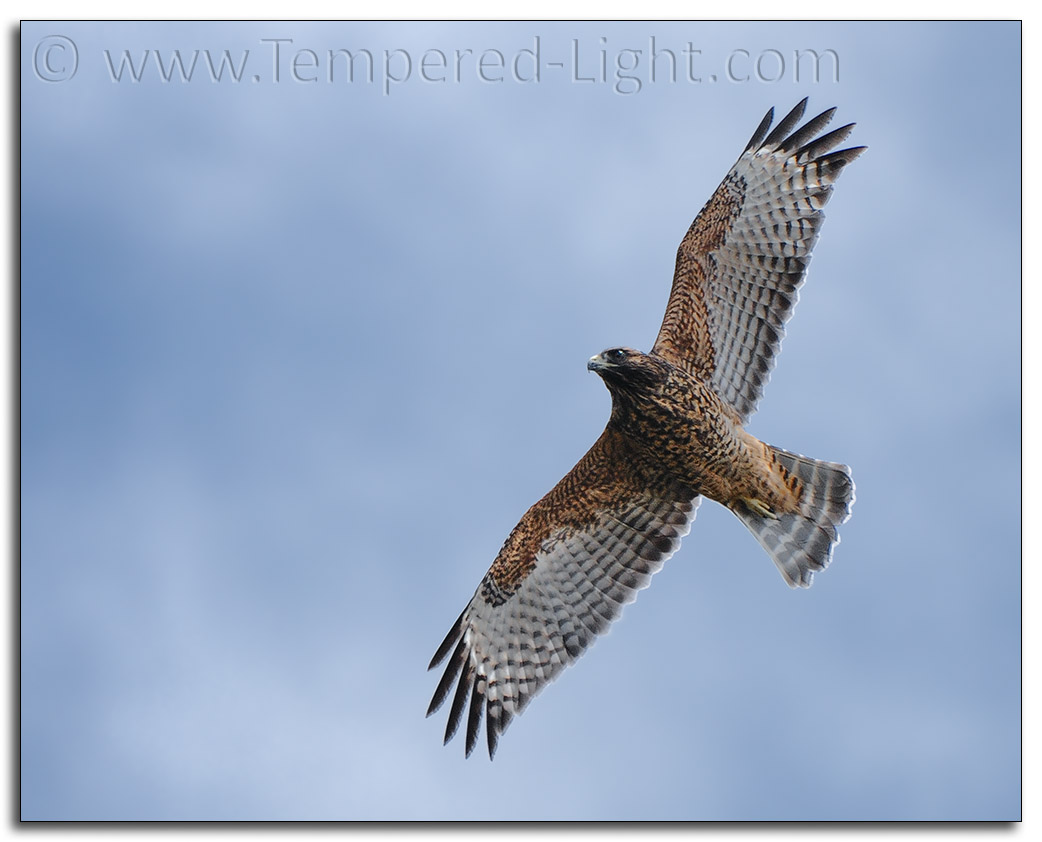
{"points": [[597, 363]]}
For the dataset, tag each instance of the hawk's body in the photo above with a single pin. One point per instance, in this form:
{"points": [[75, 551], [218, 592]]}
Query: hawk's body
{"points": [[675, 434]]}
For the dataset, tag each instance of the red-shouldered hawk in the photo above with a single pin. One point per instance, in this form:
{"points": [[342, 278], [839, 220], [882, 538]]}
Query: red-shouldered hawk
{"points": [[675, 435]]}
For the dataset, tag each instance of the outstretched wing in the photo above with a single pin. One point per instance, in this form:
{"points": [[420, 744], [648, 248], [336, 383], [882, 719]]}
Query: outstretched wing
{"points": [[576, 558], [744, 257]]}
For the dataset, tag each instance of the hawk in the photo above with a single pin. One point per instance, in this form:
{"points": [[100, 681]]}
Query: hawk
{"points": [[675, 435]]}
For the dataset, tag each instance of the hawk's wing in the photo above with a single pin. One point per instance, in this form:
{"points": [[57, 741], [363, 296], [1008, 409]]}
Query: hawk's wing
{"points": [[576, 558], [743, 259]]}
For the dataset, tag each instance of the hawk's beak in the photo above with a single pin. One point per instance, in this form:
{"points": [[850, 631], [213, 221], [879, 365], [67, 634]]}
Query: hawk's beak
{"points": [[596, 363]]}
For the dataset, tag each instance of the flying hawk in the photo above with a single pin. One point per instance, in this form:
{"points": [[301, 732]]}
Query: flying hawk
{"points": [[675, 435]]}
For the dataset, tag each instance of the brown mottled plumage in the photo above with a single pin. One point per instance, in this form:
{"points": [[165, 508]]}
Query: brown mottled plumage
{"points": [[675, 435]]}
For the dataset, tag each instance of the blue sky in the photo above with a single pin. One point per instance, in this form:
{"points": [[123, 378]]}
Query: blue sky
{"points": [[296, 355]]}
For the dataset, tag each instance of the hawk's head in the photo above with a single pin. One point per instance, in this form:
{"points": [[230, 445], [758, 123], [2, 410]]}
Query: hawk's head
{"points": [[630, 372]]}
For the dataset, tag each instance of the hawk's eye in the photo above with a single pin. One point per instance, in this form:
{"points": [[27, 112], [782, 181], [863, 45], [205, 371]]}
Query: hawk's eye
{"points": [[616, 354]]}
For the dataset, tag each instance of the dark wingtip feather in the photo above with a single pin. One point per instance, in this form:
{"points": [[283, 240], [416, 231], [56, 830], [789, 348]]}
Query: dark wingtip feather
{"points": [[853, 153], [788, 123], [448, 642], [807, 131], [459, 700], [474, 717], [815, 147], [451, 671], [504, 719], [761, 131], [493, 729], [838, 160]]}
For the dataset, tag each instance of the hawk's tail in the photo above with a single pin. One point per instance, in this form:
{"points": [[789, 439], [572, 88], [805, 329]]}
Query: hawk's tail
{"points": [[801, 543]]}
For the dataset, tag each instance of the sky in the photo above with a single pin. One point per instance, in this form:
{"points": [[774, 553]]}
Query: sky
{"points": [[298, 350]]}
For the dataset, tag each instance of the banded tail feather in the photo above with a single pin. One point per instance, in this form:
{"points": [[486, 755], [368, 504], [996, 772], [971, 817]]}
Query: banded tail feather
{"points": [[801, 543]]}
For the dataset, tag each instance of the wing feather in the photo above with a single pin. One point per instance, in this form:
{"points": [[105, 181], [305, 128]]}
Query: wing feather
{"points": [[761, 131], [776, 138], [569, 567], [807, 131], [744, 258]]}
